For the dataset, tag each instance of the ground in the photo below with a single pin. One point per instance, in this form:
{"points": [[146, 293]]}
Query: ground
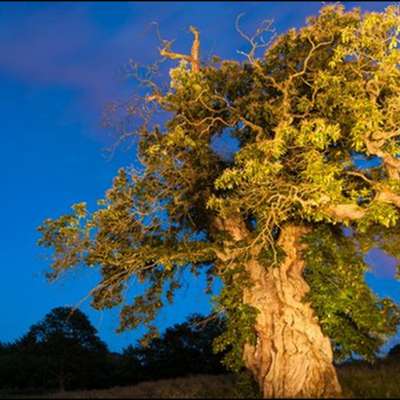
{"points": [[358, 379]]}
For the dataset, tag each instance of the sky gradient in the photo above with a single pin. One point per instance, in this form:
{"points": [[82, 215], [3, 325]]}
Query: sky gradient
{"points": [[60, 63]]}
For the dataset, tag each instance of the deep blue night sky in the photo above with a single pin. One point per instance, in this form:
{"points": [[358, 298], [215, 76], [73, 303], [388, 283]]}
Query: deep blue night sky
{"points": [[59, 65]]}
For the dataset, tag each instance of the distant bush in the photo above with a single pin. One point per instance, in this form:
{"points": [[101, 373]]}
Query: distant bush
{"points": [[395, 351], [184, 349]]}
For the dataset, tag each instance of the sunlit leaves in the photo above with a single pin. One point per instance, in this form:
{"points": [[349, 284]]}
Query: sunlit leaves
{"points": [[317, 133], [381, 213], [350, 314]]}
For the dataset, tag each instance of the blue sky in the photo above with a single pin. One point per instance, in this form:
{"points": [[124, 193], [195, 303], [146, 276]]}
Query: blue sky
{"points": [[60, 63]]}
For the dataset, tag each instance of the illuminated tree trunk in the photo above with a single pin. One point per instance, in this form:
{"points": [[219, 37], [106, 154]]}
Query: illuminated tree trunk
{"points": [[292, 357]]}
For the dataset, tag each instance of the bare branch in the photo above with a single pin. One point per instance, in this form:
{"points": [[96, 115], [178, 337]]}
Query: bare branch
{"points": [[195, 53], [257, 40], [255, 127], [343, 212], [193, 58]]}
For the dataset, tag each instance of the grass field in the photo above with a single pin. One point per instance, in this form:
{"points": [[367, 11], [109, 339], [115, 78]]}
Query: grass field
{"points": [[358, 379], [361, 380]]}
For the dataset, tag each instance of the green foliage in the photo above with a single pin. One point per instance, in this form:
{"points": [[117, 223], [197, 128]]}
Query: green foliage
{"points": [[317, 96], [240, 319], [379, 213], [245, 386], [348, 311], [317, 133]]}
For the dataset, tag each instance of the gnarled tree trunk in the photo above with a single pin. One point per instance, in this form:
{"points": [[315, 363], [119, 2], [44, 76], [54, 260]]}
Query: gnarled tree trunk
{"points": [[292, 357]]}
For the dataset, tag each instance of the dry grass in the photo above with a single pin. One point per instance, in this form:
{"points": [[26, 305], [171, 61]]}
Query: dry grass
{"points": [[199, 386], [359, 380]]}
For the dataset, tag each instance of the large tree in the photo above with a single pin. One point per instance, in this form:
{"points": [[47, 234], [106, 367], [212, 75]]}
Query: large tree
{"points": [[284, 222]]}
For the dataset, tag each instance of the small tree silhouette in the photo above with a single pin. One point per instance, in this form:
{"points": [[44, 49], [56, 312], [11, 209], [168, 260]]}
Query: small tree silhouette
{"points": [[71, 352]]}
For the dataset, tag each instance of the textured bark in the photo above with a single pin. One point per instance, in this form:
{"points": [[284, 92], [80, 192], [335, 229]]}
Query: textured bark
{"points": [[292, 357]]}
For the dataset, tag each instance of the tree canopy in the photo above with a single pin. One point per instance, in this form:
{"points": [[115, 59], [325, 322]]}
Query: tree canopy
{"points": [[62, 350], [302, 112], [67, 325], [183, 349]]}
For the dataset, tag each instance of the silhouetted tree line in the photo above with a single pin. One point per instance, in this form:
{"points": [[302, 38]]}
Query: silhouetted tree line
{"points": [[64, 352]]}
